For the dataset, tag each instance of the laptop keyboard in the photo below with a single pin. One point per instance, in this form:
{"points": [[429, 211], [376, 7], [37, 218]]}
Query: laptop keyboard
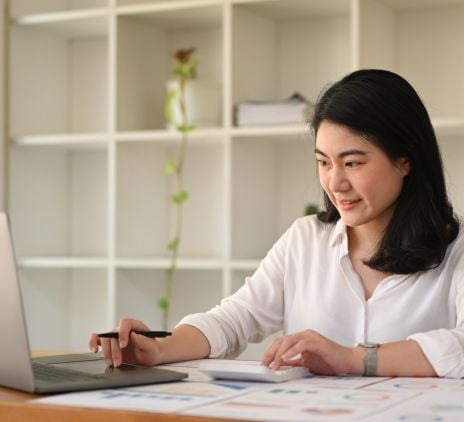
{"points": [[54, 374]]}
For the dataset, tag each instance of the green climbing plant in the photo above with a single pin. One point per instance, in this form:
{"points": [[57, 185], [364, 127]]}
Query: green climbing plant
{"points": [[183, 70]]}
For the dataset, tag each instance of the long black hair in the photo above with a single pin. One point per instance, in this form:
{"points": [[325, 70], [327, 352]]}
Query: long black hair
{"points": [[385, 109]]}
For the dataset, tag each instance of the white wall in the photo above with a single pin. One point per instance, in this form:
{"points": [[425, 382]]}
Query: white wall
{"points": [[2, 106]]}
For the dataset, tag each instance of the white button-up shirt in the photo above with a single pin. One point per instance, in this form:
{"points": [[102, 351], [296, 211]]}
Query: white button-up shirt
{"points": [[307, 281]]}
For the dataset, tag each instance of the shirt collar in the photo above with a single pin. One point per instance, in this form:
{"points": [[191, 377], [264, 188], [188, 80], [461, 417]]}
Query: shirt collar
{"points": [[338, 233]]}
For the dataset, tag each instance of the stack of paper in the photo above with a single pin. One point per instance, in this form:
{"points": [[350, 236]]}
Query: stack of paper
{"points": [[294, 110]]}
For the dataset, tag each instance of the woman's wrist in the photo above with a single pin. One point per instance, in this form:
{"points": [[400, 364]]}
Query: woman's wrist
{"points": [[359, 353]]}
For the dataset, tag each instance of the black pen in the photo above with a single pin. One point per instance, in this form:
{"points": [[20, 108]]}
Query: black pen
{"points": [[150, 334]]}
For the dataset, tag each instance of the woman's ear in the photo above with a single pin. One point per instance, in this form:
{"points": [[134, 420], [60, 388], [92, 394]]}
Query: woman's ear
{"points": [[404, 165]]}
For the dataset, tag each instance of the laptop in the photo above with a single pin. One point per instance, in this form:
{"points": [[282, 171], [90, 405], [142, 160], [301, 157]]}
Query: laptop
{"points": [[53, 374]]}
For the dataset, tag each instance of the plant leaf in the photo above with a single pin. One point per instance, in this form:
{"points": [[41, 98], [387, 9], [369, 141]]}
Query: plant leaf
{"points": [[170, 166], [177, 71], [180, 197], [185, 128], [186, 70], [163, 304], [173, 244]]}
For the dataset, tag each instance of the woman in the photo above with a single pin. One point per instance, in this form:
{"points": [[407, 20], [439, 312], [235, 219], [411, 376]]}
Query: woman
{"points": [[374, 284]]}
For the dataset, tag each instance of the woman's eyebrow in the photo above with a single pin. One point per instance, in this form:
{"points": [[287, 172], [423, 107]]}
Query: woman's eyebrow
{"points": [[343, 153]]}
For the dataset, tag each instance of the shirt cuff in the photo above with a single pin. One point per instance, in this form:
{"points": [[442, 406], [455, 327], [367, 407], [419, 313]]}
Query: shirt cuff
{"points": [[211, 329], [444, 350]]}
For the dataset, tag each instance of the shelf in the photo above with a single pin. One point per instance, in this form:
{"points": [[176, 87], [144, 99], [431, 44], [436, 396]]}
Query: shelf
{"points": [[75, 24], [62, 262], [448, 127], [69, 141], [163, 264], [296, 9], [420, 4], [200, 135], [120, 263], [245, 264], [176, 15], [280, 133]]}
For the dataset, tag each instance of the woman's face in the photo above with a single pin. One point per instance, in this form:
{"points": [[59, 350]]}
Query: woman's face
{"points": [[358, 177]]}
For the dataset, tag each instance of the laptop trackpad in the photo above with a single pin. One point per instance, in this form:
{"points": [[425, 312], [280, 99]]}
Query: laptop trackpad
{"points": [[91, 363], [98, 367]]}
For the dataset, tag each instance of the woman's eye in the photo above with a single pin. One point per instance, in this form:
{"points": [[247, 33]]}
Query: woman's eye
{"points": [[323, 163], [351, 164]]}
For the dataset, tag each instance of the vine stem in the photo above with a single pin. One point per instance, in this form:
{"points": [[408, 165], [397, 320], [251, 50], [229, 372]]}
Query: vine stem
{"points": [[178, 208]]}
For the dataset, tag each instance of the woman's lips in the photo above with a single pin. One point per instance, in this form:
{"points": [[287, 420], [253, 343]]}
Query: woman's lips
{"points": [[347, 204]]}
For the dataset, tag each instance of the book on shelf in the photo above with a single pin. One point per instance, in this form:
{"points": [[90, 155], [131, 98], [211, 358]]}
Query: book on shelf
{"points": [[293, 110]]}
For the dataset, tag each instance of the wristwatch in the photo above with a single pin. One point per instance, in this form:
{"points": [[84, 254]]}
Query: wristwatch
{"points": [[370, 359]]}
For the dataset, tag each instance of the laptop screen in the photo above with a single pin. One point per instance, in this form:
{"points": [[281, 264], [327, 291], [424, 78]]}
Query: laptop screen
{"points": [[15, 361]]}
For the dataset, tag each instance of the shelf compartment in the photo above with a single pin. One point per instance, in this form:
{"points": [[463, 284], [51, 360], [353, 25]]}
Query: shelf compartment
{"points": [[145, 212], [266, 202], [71, 312], [284, 40], [145, 44], [146, 287], [422, 42], [59, 82], [59, 206], [452, 150]]}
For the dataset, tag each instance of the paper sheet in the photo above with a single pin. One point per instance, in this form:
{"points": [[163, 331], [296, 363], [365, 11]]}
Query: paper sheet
{"points": [[316, 398], [297, 402], [436, 406], [162, 398]]}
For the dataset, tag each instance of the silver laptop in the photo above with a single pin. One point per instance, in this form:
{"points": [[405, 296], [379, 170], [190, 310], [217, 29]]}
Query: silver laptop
{"points": [[52, 374]]}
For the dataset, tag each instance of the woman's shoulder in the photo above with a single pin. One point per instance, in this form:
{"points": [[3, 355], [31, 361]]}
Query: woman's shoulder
{"points": [[458, 243], [311, 226], [455, 251]]}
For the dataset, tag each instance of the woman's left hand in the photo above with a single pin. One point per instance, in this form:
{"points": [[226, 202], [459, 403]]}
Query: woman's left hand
{"points": [[316, 352]]}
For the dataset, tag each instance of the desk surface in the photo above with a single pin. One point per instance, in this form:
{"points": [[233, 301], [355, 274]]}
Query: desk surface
{"points": [[16, 406], [432, 397]]}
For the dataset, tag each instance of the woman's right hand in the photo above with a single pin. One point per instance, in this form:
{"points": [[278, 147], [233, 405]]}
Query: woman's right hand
{"points": [[129, 347]]}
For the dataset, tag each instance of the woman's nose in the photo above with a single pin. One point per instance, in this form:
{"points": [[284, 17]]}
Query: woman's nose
{"points": [[338, 181]]}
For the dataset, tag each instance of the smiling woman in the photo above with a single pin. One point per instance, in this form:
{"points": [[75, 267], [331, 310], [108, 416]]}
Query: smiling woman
{"points": [[359, 178], [374, 283]]}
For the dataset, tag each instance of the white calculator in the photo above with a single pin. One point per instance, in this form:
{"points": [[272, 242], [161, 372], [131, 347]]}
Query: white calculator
{"points": [[246, 370]]}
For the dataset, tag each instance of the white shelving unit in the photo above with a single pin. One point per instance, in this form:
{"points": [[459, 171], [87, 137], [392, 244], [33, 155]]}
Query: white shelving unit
{"points": [[88, 197]]}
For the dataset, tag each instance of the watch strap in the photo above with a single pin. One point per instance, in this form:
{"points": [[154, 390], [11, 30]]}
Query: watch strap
{"points": [[370, 359]]}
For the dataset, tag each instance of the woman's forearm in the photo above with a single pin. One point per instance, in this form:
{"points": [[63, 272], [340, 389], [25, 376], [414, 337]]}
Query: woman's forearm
{"points": [[186, 343], [398, 359]]}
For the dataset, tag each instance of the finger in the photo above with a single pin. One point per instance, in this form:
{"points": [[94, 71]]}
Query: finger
{"points": [[116, 354], [285, 345], [106, 348], [293, 362], [298, 348], [270, 352], [126, 325], [93, 342]]}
